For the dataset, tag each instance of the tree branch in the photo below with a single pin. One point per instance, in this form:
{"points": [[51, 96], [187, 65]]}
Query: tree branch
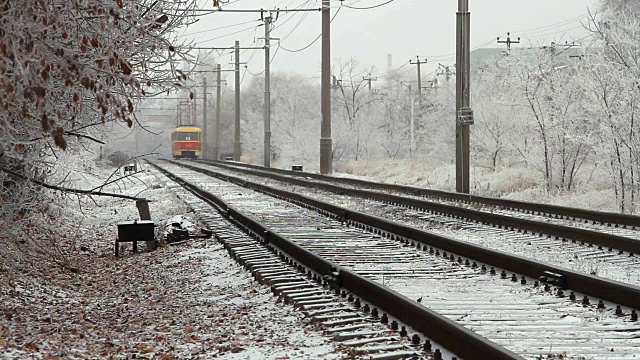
{"points": [[68, 190]]}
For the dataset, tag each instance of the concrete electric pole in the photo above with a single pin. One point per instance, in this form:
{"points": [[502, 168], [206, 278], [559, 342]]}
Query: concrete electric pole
{"points": [[464, 114], [508, 41], [326, 146], [204, 142], [412, 123], [369, 80], [267, 93], [216, 149], [419, 63], [236, 134], [447, 71]]}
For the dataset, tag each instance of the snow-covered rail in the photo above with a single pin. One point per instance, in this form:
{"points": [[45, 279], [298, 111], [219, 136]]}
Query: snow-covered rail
{"points": [[346, 304], [514, 310], [554, 244], [614, 223]]}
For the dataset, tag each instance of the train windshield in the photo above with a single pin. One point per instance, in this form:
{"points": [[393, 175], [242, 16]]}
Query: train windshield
{"points": [[186, 136]]}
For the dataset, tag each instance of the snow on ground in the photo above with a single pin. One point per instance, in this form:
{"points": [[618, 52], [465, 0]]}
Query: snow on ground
{"points": [[513, 183], [189, 300]]}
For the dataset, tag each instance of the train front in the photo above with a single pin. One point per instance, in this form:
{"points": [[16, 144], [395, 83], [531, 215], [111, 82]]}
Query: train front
{"points": [[185, 142]]}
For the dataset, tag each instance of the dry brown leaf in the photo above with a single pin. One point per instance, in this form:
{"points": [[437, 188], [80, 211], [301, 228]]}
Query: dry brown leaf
{"points": [[31, 346]]}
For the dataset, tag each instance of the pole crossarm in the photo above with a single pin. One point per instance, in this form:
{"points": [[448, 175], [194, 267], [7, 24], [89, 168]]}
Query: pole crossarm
{"points": [[419, 63], [509, 41]]}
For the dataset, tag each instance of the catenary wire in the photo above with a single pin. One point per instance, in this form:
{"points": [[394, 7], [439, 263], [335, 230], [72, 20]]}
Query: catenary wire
{"points": [[368, 7], [314, 40]]}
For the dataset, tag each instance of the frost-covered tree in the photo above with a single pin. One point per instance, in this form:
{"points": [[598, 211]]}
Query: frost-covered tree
{"points": [[351, 102], [67, 70], [614, 95], [295, 122]]}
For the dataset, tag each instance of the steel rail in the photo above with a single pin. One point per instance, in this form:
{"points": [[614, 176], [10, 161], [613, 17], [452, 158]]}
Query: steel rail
{"points": [[567, 232], [444, 331], [569, 212], [605, 289]]}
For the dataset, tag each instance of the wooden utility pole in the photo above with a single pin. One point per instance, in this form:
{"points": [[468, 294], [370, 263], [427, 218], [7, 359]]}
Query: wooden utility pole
{"points": [[237, 151], [464, 114], [267, 92], [326, 145], [419, 63]]}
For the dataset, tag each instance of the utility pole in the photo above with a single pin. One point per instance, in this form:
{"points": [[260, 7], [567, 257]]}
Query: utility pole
{"points": [[267, 93], [204, 141], [326, 146], [433, 85], [369, 80], [419, 63], [508, 41], [236, 134], [195, 115], [412, 103], [554, 47], [412, 122], [464, 114], [216, 149], [447, 71]]}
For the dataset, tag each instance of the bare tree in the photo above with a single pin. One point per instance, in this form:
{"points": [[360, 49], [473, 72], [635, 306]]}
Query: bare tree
{"points": [[351, 99]]}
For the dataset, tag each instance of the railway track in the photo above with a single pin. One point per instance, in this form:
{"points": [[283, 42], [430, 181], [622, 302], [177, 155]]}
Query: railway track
{"points": [[584, 250], [368, 332], [530, 318], [611, 223]]}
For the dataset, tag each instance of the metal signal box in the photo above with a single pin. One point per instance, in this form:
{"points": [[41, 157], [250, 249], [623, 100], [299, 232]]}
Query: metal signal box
{"points": [[142, 230], [134, 231]]}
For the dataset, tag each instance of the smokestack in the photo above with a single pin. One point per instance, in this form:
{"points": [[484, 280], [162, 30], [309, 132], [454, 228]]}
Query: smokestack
{"points": [[389, 62]]}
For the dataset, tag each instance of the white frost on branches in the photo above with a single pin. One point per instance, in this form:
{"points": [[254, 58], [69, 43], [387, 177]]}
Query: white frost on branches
{"points": [[67, 68]]}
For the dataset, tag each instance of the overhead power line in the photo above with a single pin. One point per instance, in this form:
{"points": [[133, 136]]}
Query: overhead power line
{"points": [[368, 7], [219, 28], [258, 11], [229, 34], [552, 26], [523, 33], [314, 40]]}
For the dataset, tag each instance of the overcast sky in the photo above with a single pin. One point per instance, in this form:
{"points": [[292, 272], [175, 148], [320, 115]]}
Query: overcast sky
{"points": [[403, 28]]}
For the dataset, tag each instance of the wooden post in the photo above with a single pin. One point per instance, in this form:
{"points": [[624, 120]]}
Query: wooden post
{"points": [[145, 214]]}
